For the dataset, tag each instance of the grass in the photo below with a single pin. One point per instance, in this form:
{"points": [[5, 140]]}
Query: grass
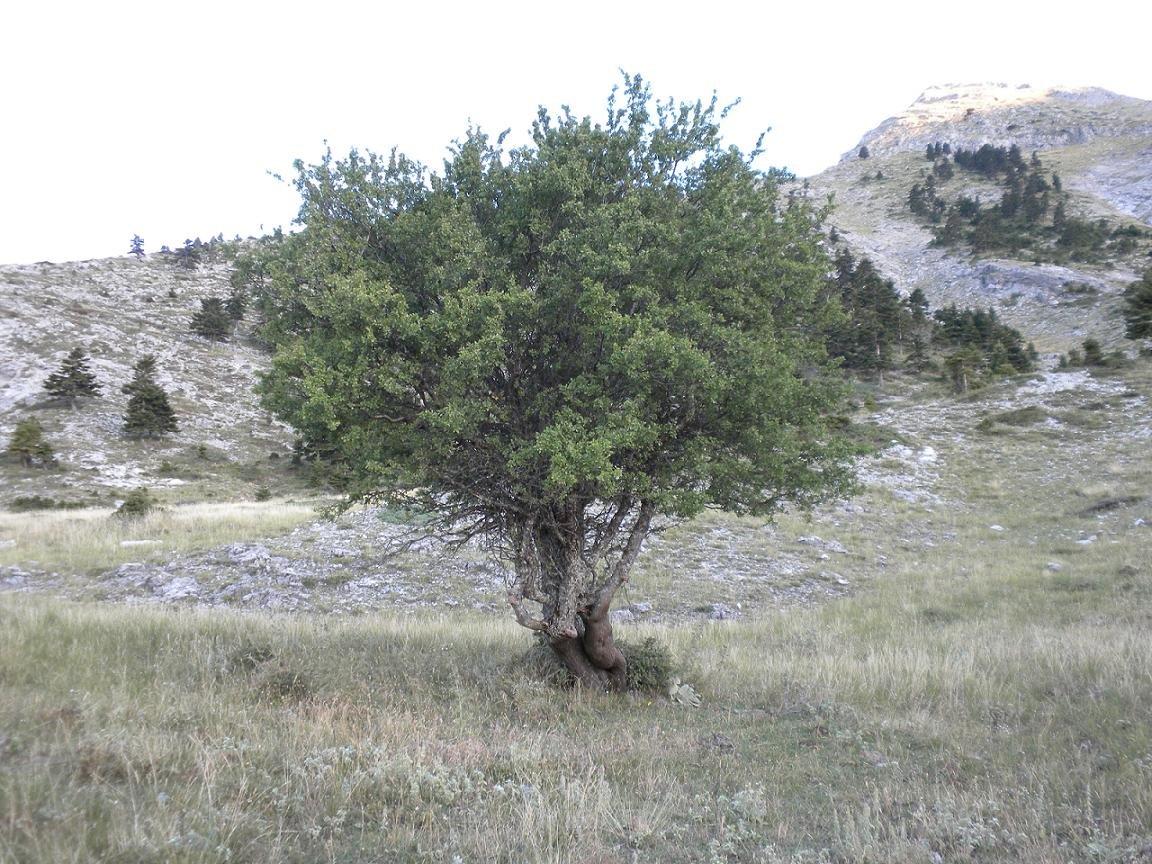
{"points": [[983, 699], [90, 540], [980, 711]]}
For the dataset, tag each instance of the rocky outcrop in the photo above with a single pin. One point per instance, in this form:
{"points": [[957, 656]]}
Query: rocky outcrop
{"points": [[1034, 118]]}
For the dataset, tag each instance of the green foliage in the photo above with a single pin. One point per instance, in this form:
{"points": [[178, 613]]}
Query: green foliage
{"points": [[137, 248], [28, 444], [1031, 218], [212, 321], [236, 304], [876, 318], [983, 345], [31, 503], [73, 379], [137, 504], [591, 315], [863, 152], [189, 256], [1093, 354], [1138, 308], [621, 318], [650, 665], [149, 412]]}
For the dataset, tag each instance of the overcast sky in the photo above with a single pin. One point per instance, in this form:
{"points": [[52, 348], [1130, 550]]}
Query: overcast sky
{"points": [[164, 119]]}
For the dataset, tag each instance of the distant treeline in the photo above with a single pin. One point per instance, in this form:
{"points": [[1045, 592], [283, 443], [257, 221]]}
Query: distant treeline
{"points": [[1030, 218], [881, 330]]}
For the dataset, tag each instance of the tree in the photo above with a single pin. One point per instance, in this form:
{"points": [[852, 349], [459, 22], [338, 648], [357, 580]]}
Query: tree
{"points": [[1138, 308], [961, 365], [1093, 353], [137, 246], [28, 444], [236, 304], [73, 379], [189, 255], [212, 321], [549, 349], [863, 153], [149, 412]]}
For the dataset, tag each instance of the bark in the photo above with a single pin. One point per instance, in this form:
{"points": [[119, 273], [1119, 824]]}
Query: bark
{"points": [[554, 571]]}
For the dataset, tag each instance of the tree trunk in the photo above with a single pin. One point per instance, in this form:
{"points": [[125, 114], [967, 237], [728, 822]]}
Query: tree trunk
{"points": [[554, 568], [593, 657]]}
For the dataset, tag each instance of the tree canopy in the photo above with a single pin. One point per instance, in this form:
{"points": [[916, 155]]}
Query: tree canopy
{"points": [[148, 413], [73, 379], [550, 347], [1138, 308]]}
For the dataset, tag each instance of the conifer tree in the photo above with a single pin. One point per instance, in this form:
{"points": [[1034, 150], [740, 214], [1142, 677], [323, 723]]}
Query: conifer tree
{"points": [[137, 246], [1093, 353], [1138, 308], [28, 444], [237, 304], [917, 359], [73, 380], [149, 412], [212, 321]]}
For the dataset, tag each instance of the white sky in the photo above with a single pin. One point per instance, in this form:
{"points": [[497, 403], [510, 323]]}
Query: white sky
{"points": [[163, 119]]}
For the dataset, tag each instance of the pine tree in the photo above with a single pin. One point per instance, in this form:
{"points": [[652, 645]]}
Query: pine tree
{"points": [[1138, 308], [73, 380], [188, 256], [236, 305], [917, 359], [137, 246], [149, 412], [863, 153], [212, 321], [1093, 353], [29, 446]]}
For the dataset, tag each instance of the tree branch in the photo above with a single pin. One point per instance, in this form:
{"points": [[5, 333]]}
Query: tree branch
{"points": [[624, 563]]}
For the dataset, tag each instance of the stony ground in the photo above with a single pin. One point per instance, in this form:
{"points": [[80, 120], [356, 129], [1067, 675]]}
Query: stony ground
{"points": [[947, 456]]}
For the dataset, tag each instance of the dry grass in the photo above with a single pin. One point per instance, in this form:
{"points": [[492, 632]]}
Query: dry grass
{"points": [[91, 540], [985, 699]]}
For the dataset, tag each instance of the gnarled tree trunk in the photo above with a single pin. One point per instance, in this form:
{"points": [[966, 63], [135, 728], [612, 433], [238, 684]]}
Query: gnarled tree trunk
{"points": [[574, 571]]}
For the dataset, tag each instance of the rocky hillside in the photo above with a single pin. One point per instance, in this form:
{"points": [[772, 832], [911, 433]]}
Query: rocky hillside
{"points": [[117, 310], [1099, 142]]}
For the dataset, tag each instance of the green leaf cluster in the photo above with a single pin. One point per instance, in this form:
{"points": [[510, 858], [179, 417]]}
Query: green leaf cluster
{"points": [[618, 310], [28, 445]]}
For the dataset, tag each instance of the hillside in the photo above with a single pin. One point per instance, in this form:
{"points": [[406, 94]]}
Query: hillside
{"points": [[1099, 142], [951, 666], [118, 310]]}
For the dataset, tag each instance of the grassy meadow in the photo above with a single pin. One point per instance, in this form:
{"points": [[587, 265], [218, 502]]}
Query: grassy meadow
{"points": [[983, 695], [91, 539]]}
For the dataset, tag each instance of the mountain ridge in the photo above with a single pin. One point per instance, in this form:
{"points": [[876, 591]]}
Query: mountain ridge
{"points": [[1003, 114]]}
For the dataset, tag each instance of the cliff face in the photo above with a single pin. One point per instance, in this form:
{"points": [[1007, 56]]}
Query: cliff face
{"points": [[1098, 141]]}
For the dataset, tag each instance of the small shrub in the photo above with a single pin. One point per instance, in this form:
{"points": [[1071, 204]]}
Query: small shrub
{"points": [[1025, 416], [247, 657], [650, 666], [26, 503], [263, 493], [280, 684], [138, 504]]}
